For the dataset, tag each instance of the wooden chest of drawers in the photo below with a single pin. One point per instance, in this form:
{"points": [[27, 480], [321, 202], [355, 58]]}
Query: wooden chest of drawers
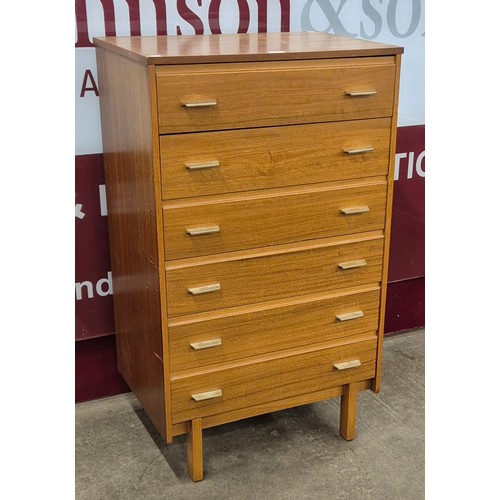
{"points": [[249, 189]]}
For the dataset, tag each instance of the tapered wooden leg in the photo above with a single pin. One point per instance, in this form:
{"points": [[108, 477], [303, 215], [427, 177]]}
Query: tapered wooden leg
{"points": [[195, 450], [348, 412]]}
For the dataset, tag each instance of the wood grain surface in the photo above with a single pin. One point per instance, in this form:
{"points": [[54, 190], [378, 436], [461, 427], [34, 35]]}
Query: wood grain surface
{"points": [[250, 279], [271, 326], [269, 217], [271, 157], [192, 49], [258, 381], [132, 223], [272, 93]]}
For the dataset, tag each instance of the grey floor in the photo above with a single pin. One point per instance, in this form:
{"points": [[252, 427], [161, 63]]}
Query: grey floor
{"points": [[292, 454]]}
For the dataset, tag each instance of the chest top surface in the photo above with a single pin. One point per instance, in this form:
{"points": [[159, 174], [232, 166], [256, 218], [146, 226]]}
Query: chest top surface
{"points": [[192, 49]]}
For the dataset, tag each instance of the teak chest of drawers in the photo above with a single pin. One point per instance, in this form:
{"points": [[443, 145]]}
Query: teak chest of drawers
{"points": [[249, 189]]}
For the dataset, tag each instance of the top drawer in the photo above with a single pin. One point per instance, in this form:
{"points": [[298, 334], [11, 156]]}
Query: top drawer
{"points": [[239, 95]]}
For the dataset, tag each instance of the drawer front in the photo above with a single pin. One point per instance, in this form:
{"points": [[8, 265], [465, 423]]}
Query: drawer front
{"points": [[244, 385], [219, 285], [240, 95], [201, 340], [284, 216], [242, 160]]}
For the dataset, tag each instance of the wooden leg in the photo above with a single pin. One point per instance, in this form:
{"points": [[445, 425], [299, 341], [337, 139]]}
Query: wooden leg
{"points": [[348, 412], [195, 450]]}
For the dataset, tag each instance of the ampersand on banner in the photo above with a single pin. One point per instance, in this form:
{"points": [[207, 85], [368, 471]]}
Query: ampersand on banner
{"points": [[330, 13]]}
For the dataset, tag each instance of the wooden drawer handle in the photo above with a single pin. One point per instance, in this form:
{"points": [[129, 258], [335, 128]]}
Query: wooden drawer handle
{"points": [[199, 104], [352, 264], [206, 344], [349, 316], [345, 365], [199, 290], [357, 151], [198, 231], [202, 396], [202, 165], [359, 93], [355, 210]]}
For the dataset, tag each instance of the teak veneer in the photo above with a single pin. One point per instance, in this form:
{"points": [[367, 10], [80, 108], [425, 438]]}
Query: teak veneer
{"points": [[249, 186]]}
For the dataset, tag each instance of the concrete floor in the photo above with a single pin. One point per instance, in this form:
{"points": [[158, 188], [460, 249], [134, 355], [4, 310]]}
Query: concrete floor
{"points": [[291, 454]]}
